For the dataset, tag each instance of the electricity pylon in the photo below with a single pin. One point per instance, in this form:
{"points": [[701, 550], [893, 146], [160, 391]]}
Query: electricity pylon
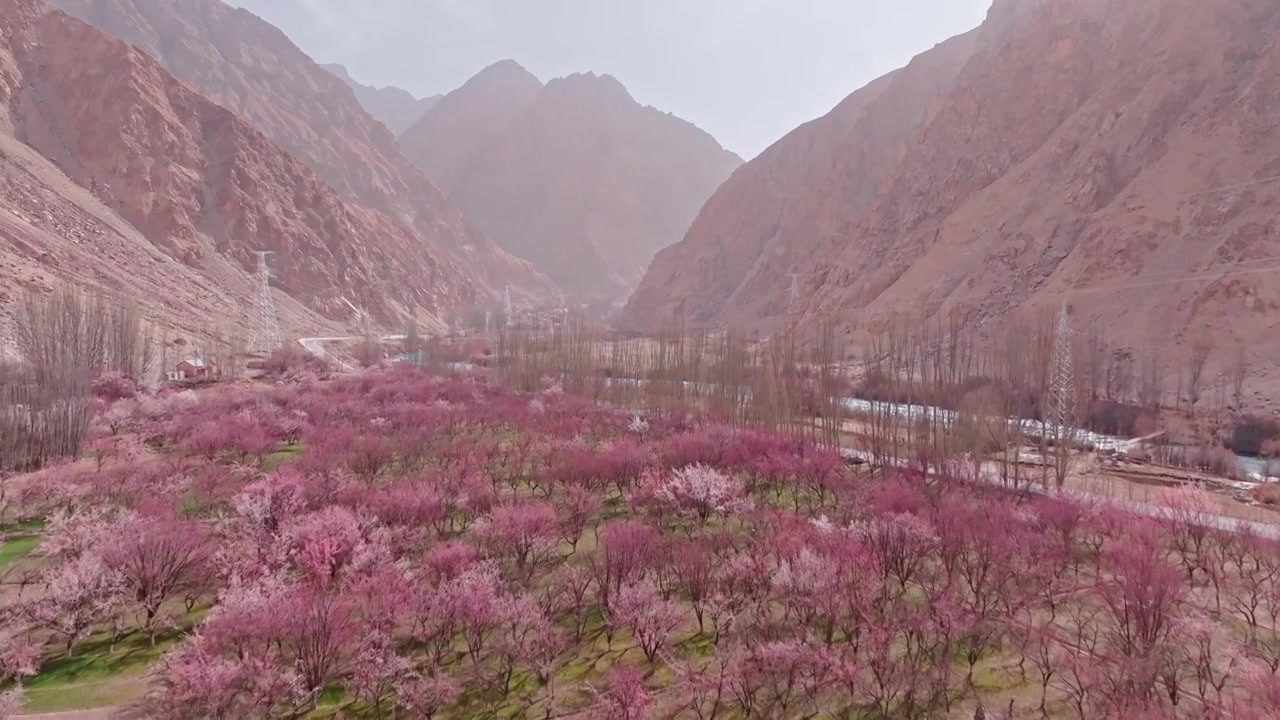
{"points": [[266, 328], [1062, 388]]}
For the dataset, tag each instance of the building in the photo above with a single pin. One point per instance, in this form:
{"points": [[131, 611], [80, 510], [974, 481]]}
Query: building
{"points": [[195, 367]]}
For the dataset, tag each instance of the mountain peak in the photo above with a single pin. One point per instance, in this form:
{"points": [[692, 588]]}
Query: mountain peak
{"points": [[252, 69], [602, 85], [339, 70], [575, 176], [504, 75], [394, 107]]}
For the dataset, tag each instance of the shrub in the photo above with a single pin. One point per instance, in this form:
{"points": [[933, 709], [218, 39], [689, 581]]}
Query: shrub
{"points": [[1252, 434], [1116, 418], [113, 385], [292, 359], [1267, 494]]}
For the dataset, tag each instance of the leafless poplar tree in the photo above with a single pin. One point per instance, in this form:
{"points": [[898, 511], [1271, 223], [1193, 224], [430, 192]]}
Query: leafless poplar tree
{"points": [[1119, 376], [1239, 375], [1151, 381], [128, 344], [1196, 362], [44, 402]]}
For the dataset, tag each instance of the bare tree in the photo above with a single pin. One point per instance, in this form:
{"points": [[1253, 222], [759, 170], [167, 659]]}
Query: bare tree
{"points": [[44, 403], [368, 351], [1151, 384], [1200, 351], [60, 334], [1239, 374], [1094, 361], [1119, 376], [413, 342], [127, 345]]}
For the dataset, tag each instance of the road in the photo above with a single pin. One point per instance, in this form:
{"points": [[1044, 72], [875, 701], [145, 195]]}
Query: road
{"points": [[315, 346], [990, 475]]}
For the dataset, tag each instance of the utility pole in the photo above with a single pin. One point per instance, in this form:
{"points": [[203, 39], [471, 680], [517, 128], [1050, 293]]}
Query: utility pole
{"points": [[266, 328]]}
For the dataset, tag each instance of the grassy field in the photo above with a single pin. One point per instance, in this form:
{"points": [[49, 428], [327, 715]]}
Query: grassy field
{"points": [[15, 549], [98, 675]]}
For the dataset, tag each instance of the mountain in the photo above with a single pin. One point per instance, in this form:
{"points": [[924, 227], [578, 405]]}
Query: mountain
{"points": [[782, 208], [53, 231], [392, 106], [575, 176], [164, 195], [251, 68], [1121, 146]]}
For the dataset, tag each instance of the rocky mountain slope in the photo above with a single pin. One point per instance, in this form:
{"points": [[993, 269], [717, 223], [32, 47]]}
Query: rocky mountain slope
{"points": [[54, 231], [392, 106], [176, 193], [251, 68], [575, 176], [780, 209], [1116, 153]]}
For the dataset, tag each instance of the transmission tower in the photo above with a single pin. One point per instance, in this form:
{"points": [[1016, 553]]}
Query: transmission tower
{"points": [[1062, 395], [506, 302], [795, 289], [266, 330]]}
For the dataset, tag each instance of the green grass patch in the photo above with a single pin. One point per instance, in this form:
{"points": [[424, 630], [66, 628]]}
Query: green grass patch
{"points": [[95, 660], [700, 646], [22, 527], [96, 675], [283, 454], [85, 696], [189, 506], [13, 550], [335, 702]]}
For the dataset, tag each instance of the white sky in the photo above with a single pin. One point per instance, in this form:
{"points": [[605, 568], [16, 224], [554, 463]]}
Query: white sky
{"points": [[747, 71]]}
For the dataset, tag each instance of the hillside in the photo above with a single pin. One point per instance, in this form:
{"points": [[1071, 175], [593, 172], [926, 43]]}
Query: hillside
{"points": [[781, 208], [1104, 144], [189, 179], [53, 230], [575, 176], [251, 68], [392, 106]]}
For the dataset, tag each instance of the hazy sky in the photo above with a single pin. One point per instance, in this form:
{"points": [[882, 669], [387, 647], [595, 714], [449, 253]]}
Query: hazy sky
{"points": [[747, 71]]}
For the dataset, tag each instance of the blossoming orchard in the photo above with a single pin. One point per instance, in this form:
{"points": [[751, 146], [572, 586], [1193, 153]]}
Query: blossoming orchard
{"points": [[398, 544]]}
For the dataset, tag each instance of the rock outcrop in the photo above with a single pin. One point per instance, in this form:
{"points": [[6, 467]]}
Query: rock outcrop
{"points": [[200, 184], [575, 176], [392, 106], [1117, 154], [251, 68]]}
